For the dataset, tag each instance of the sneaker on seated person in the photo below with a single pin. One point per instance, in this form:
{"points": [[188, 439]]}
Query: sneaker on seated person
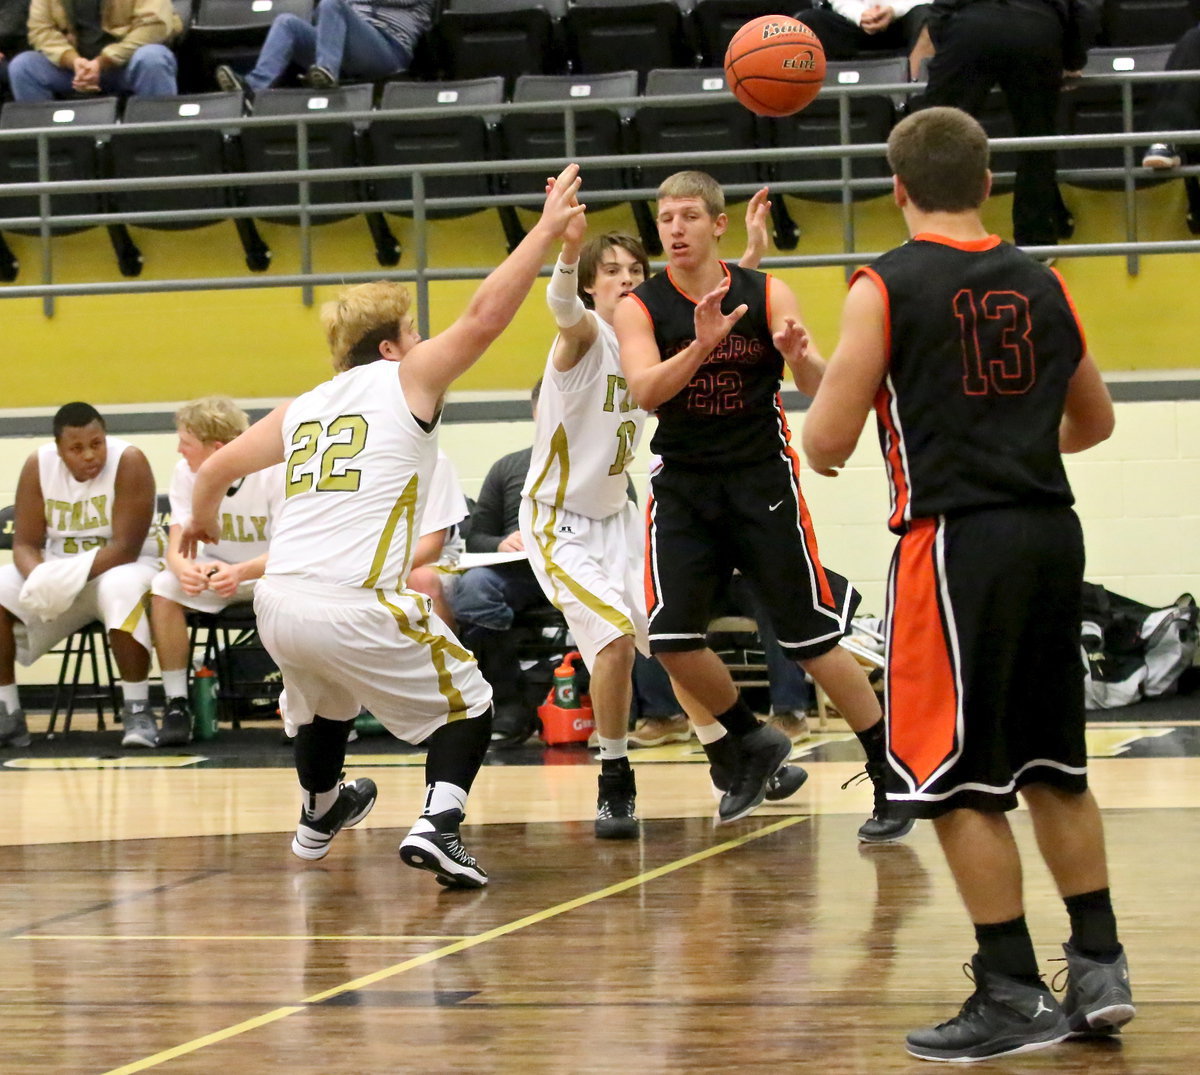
{"points": [[1161, 155]]}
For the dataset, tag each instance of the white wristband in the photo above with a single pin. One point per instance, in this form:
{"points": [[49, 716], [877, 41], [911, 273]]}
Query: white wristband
{"points": [[562, 295]]}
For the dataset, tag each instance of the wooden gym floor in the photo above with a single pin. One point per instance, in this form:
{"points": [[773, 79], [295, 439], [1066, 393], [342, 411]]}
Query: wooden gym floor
{"points": [[153, 918]]}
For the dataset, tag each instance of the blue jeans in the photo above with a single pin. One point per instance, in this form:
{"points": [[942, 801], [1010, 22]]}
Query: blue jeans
{"points": [[652, 694], [491, 596], [149, 73], [340, 41]]}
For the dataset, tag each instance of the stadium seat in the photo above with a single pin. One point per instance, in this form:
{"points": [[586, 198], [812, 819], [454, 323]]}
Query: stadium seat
{"points": [[142, 154], [716, 21], [1133, 23], [330, 145], [405, 140], [871, 117], [248, 681], [481, 38], [1099, 109], [68, 158], [231, 32], [696, 130], [616, 35], [598, 132]]}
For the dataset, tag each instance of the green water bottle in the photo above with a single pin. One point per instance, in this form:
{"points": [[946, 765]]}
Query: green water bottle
{"points": [[204, 704]]}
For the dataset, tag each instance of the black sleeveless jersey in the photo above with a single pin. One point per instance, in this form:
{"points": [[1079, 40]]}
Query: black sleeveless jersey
{"points": [[730, 412], [982, 341]]}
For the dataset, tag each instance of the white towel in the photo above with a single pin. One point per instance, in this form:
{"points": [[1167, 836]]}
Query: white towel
{"points": [[53, 585]]}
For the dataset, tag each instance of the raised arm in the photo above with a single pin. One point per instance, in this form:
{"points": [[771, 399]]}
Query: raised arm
{"points": [[577, 329], [847, 390], [434, 364], [792, 338], [259, 447], [1088, 416], [652, 379], [757, 238]]}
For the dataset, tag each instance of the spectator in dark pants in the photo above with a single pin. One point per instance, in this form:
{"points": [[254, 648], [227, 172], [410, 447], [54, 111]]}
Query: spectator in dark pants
{"points": [[485, 600], [1024, 46], [1177, 104], [14, 14]]}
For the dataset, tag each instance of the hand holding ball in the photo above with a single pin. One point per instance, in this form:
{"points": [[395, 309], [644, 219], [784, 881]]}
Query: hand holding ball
{"points": [[775, 65]]}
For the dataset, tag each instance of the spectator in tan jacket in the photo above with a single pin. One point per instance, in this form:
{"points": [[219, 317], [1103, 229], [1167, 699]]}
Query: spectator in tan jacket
{"points": [[97, 46]]}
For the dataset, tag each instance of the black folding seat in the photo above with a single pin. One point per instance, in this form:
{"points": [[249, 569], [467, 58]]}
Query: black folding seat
{"points": [[201, 151], [438, 139], [716, 125], [480, 38], [716, 21], [1091, 108], [870, 118], [1132, 23], [329, 145], [232, 31], [70, 157], [616, 35]]}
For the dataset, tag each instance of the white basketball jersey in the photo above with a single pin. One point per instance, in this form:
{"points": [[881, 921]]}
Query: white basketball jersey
{"points": [[356, 466], [586, 433], [246, 513], [79, 514]]}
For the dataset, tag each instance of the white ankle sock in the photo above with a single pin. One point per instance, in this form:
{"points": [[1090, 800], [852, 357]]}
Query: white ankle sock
{"points": [[317, 804], [611, 749], [175, 683], [709, 733], [10, 697], [443, 796], [136, 695]]}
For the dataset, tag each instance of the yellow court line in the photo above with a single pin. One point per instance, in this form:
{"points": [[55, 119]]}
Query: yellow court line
{"points": [[452, 949], [125, 938]]}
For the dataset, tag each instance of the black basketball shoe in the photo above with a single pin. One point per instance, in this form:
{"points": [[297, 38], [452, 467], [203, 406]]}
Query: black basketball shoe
{"points": [[434, 844]]}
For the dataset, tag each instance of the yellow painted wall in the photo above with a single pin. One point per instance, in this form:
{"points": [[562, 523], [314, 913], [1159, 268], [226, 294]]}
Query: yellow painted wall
{"points": [[266, 343]]}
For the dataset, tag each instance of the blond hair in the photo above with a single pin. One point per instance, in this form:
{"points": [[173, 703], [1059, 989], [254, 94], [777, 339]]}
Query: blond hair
{"points": [[694, 185], [212, 419], [361, 318]]}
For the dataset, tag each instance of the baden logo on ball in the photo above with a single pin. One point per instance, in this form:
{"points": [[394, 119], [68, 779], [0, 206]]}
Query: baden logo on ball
{"points": [[775, 65]]}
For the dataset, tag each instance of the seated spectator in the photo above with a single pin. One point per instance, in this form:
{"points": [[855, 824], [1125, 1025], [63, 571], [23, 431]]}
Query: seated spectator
{"points": [[485, 600], [440, 542], [97, 46], [222, 574], [849, 29], [349, 40], [1176, 104], [82, 551]]}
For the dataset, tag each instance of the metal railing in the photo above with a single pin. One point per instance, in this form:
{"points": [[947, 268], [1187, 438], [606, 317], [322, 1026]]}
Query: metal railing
{"points": [[421, 206]]}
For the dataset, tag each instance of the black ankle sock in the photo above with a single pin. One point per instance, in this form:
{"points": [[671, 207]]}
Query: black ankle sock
{"points": [[456, 750], [722, 752], [1093, 925], [1006, 948], [873, 743], [738, 719], [320, 752]]}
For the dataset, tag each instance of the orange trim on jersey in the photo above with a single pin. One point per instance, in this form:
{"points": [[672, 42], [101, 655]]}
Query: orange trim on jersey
{"points": [[1074, 312], [671, 278], [648, 564], [922, 691], [824, 590], [893, 457], [989, 242], [631, 295], [872, 275]]}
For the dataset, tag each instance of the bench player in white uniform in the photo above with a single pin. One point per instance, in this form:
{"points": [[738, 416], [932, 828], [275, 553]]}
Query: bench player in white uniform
{"points": [[441, 543], [332, 608], [582, 532], [222, 575], [83, 550]]}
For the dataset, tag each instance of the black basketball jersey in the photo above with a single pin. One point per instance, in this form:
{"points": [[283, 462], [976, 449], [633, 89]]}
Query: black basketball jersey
{"points": [[982, 341], [730, 411]]}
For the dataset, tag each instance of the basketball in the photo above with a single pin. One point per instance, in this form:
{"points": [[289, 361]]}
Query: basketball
{"points": [[775, 65]]}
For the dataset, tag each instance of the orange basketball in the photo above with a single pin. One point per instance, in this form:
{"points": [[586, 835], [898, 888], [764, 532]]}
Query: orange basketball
{"points": [[775, 65]]}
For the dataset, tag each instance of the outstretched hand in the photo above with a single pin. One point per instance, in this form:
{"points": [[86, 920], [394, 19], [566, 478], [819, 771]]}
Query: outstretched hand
{"points": [[757, 237], [195, 533], [792, 341], [712, 326], [562, 206]]}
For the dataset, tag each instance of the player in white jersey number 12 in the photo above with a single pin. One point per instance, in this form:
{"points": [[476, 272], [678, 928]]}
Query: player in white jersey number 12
{"points": [[359, 453]]}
